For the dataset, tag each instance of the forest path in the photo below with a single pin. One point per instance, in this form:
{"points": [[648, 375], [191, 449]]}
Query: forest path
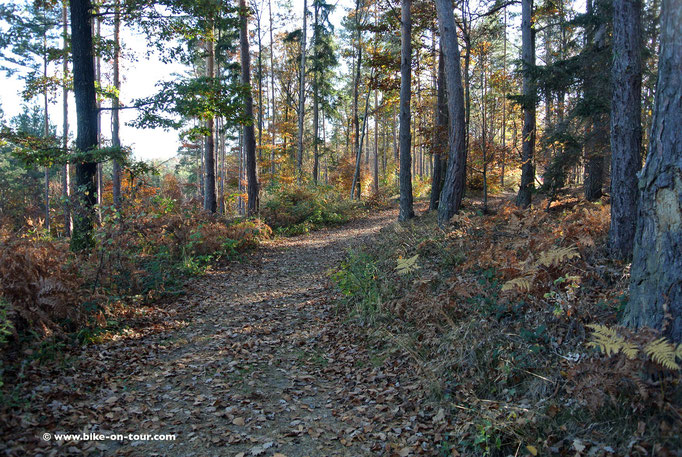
{"points": [[257, 369]]}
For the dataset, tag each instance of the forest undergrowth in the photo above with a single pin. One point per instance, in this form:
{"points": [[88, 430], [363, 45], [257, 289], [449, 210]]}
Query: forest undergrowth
{"points": [[52, 298], [511, 320]]}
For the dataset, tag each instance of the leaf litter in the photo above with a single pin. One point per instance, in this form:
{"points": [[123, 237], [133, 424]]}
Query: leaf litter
{"points": [[254, 360]]}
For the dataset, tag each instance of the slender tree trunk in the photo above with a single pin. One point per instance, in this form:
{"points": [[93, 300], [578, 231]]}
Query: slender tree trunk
{"points": [[596, 143], [356, 92], [455, 176], [376, 142], [47, 134], [210, 203], [626, 122], [358, 156], [406, 209], [86, 111], [273, 113], [440, 140], [504, 102], [260, 86], [316, 95], [66, 177], [249, 135], [656, 273], [115, 124], [98, 76], [484, 139], [523, 198], [301, 96]]}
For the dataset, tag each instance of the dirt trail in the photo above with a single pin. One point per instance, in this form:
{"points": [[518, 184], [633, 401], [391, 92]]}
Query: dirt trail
{"points": [[258, 366]]}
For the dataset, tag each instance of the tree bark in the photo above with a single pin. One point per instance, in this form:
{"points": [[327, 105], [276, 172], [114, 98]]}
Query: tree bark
{"points": [[66, 176], [210, 203], [406, 207], [455, 175], [115, 123], [626, 124], [595, 87], [249, 135], [656, 273], [301, 95], [273, 114], [316, 94], [440, 142], [523, 198], [86, 112]]}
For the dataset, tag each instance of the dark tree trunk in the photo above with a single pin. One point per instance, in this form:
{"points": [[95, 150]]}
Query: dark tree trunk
{"points": [[301, 95], [406, 209], [249, 135], [440, 140], [523, 198], [656, 274], [626, 124], [455, 176], [86, 113], [210, 203], [595, 88], [66, 170], [316, 96]]}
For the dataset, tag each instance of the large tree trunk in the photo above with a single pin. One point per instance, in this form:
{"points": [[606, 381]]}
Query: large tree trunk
{"points": [[86, 111], [440, 140], [249, 135], [626, 124], [455, 176], [656, 274], [406, 209], [115, 123], [301, 94], [210, 203], [523, 198]]}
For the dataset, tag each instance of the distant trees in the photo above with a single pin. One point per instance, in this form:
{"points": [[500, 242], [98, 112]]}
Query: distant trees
{"points": [[656, 272]]}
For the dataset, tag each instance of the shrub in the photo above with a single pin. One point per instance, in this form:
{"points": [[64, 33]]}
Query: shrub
{"points": [[296, 210], [40, 281]]}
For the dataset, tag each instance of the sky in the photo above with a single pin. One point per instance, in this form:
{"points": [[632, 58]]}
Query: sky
{"points": [[140, 78]]}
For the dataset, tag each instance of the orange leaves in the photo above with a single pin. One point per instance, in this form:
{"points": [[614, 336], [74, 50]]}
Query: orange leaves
{"points": [[40, 280]]}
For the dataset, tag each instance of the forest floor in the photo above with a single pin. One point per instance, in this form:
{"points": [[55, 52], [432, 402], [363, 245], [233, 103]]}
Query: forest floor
{"points": [[254, 360]]}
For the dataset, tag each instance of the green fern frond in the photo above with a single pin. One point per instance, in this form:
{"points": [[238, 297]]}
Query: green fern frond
{"points": [[557, 256], [662, 352], [678, 351], [406, 266]]}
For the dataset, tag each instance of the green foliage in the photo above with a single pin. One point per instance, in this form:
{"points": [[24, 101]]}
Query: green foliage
{"points": [[357, 279], [297, 210]]}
